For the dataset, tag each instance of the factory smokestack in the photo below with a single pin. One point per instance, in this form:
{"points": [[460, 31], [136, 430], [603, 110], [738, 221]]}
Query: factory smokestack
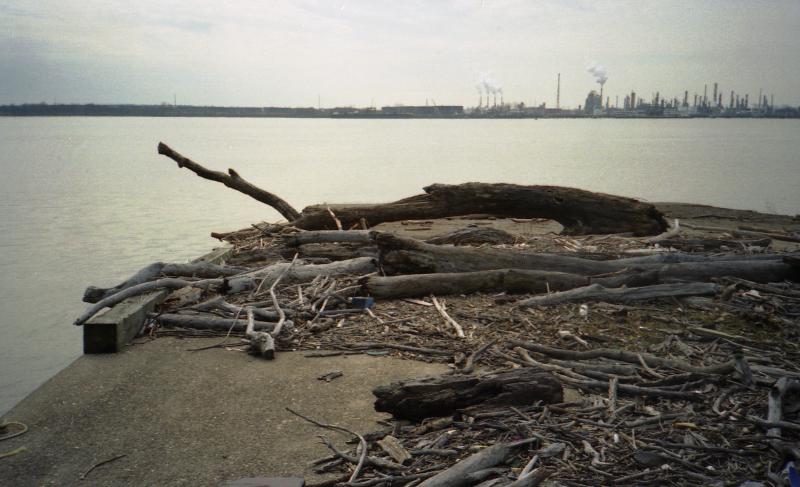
{"points": [[715, 93], [558, 92], [602, 85], [601, 76]]}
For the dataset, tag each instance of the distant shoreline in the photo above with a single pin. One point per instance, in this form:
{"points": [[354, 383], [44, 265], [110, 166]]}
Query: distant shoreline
{"points": [[384, 113]]}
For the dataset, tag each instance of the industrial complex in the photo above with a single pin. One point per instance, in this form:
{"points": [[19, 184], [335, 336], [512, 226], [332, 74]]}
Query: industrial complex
{"points": [[711, 103]]}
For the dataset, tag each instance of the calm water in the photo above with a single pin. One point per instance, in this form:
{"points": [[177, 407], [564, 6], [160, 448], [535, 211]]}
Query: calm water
{"points": [[88, 201]]}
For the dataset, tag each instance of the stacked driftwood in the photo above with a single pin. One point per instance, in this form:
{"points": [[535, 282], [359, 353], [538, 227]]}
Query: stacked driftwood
{"points": [[581, 360]]}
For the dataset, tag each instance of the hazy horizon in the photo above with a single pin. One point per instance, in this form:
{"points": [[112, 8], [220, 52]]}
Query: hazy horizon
{"points": [[362, 53]]}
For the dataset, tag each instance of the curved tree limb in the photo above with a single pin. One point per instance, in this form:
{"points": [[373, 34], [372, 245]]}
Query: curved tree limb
{"points": [[233, 181]]}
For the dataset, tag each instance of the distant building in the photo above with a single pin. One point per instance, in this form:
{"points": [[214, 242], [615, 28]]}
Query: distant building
{"points": [[593, 103], [425, 110]]}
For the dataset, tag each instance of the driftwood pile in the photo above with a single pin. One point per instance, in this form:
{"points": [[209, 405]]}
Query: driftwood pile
{"points": [[588, 360]]}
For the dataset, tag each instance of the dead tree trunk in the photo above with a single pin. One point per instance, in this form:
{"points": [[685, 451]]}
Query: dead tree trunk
{"points": [[207, 322], [233, 181], [442, 395], [155, 270], [580, 212], [501, 280], [596, 292], [407, 256]]}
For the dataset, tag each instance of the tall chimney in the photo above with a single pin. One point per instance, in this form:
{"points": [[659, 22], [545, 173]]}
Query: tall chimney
{"points": [[602, 85], [705, 95], [558, 92], [715, 93]]}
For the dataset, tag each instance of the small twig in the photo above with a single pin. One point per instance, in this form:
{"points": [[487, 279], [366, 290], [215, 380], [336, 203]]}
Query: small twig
{"points": [[333, 427], [281, 315], [336, 220], [442, 311], [84, 474], [469, 365]]}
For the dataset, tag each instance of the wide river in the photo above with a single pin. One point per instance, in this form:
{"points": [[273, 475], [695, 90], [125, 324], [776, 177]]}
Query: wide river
{"points": [[88, 201]]}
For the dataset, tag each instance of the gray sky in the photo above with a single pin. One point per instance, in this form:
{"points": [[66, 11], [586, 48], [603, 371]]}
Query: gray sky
{"points": [[354, 52]]}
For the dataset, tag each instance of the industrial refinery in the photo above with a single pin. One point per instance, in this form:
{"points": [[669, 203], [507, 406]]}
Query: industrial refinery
{"points": [[730, 104], [711, 102]]}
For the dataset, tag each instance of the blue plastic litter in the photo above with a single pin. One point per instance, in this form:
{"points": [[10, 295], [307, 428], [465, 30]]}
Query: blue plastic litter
{"points": [[794, 476], [362, 303]]}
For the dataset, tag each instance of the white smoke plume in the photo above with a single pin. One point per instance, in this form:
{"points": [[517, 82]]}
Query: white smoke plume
{"points": [[599, 72], [488, 85]]}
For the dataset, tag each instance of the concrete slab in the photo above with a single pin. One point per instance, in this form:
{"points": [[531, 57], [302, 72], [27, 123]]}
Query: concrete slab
{"points": [[190, 418]]}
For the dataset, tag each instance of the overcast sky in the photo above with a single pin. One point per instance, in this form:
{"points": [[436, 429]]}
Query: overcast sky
{"points": [[359, 52]]}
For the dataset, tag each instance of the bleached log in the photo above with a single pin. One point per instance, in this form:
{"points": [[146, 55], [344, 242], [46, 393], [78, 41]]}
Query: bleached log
{"points": [[233, 181], [201, 322], [160, 269], [596, 292], [500, 280], [139, 289], [301, 273], [459, 474]]}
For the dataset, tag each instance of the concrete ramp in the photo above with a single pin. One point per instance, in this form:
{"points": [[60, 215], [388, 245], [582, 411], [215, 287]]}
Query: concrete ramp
{"points": [[190, 418]]}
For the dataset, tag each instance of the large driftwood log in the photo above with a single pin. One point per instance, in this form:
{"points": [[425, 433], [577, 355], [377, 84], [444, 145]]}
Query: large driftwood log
{"points": [[241, 283], [233, 181], [460, 474], [408, 256], [301, 273], [505, 280], [159, 269], [442, 395], [596, 292], [579, 211], [206, 322]]}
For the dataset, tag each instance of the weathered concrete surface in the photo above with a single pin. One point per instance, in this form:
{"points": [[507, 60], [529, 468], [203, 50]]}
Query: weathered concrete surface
{"points": [[190, 418]]}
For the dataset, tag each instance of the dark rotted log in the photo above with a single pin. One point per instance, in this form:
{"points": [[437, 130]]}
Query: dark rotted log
{"points": [[442, 395], [474, 236], [580, 212], [505, 280]]}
